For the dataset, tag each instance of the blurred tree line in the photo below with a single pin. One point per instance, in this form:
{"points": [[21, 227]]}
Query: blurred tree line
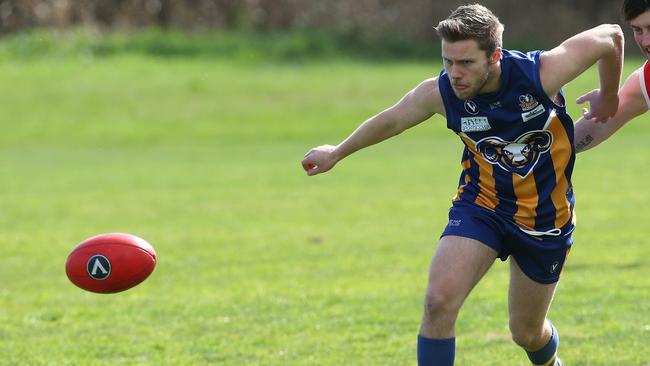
{"points": [[543, 23]]}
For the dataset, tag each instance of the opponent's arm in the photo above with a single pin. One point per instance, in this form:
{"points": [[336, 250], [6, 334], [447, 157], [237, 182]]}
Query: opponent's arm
{"points": [[602, 44], [416, 106], [631, 104]]}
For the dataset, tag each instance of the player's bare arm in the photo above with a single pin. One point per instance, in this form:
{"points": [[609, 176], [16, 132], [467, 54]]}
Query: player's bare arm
{"points": [[631, 104], [415, 107], [602, 44]]}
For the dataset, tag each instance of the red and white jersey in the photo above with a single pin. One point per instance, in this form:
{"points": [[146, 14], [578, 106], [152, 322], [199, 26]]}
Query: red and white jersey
{"points": [[644, 80]]}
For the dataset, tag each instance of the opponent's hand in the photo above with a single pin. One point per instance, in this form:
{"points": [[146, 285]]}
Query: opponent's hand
{"points": [[602, 106], [319, 159]]}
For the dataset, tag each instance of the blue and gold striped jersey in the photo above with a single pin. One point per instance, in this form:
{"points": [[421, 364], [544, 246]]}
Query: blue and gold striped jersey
{"points": [[518, 155]]}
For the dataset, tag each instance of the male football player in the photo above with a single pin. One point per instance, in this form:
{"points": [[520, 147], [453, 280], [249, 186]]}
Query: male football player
{"points": [[514, 197]]}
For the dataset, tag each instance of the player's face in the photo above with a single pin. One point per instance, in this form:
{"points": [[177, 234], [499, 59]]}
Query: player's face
{"points": [[469, 69], [641, 28]]}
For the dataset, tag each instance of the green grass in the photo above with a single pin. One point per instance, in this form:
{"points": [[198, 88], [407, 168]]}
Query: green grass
{"points": [[243, 46], [259, 264]]}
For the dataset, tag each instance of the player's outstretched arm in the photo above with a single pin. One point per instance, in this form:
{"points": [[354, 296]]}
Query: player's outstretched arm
{"points": [[602, 45], [631, 104], [416, 106]]}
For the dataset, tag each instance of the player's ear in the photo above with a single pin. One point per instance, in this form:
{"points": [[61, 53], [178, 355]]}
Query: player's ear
{"points": [[496, 56]]}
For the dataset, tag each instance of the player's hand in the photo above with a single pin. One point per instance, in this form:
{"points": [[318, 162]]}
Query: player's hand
{"points": [[319, 160], [602, 106]]}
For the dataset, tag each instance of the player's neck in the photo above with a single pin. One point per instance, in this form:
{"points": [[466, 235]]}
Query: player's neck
{"points": [[493, 82]]}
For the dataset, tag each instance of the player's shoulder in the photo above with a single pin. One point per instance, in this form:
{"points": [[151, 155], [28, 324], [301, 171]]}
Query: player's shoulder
{"points": [[522, 58], [429, 86], [527, 64], [643, 72], [521, 55], [636, 88], [427, 93], [639, 79]]}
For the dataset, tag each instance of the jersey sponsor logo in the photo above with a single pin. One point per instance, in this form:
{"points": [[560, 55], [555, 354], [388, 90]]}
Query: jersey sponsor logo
{"points": [[539, 110], [471, 107], [519, 156], [527, 102], [474, 124]]}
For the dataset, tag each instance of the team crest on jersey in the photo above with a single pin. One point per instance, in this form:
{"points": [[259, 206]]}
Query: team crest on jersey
{"points": [[527, 102], [519, 156]]}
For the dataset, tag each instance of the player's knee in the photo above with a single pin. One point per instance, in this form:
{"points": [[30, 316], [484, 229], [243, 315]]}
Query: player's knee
{"points": [[439, 303], [525, 335]]}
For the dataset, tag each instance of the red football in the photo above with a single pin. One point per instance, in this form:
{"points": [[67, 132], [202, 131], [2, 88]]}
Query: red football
{"points": [[109, 263]]}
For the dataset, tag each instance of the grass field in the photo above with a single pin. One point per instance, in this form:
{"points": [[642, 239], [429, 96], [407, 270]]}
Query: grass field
{"points": [[258, 264]]}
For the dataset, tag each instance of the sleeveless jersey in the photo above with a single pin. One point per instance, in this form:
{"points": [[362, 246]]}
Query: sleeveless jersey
{"points": [[519, 155], [644, 80]]}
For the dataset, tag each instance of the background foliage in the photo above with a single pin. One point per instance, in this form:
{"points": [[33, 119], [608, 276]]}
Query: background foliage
{"points": [[544, 23]]}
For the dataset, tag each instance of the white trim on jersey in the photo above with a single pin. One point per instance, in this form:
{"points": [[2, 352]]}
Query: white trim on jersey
{"points": [[643, 84], [550, 118]]}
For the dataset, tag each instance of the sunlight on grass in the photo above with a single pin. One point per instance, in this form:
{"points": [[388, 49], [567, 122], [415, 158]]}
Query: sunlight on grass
{"points": [[258, 264]]}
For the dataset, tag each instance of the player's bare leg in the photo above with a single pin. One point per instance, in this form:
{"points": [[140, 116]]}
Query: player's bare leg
{"points": [[457, 266], [528, 305]]}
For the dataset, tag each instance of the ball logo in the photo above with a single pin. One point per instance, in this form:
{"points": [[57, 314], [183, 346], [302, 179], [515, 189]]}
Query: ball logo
{"points": [[98, 267]]}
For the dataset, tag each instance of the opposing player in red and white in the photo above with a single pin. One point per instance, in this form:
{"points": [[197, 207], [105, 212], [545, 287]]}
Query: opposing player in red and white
{"points": [[634, 94]]}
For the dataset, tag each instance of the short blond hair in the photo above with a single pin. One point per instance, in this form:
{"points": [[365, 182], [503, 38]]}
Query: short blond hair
{"points": [[475, 22]]}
